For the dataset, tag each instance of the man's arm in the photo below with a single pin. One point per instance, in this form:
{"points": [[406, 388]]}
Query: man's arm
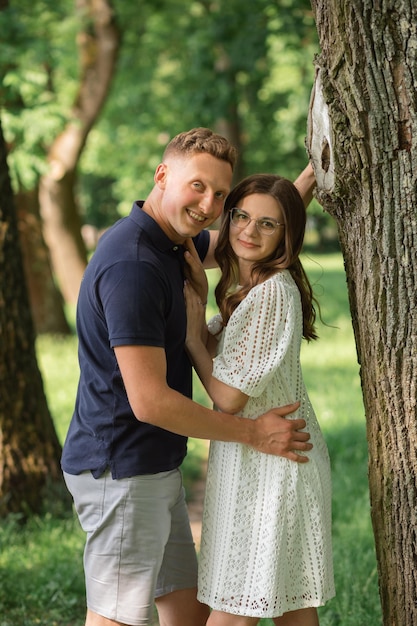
{"points": [[143, 369], [305, 184]]}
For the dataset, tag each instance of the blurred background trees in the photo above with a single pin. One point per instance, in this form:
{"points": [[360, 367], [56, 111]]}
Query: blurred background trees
{"points": [[92, 91]]}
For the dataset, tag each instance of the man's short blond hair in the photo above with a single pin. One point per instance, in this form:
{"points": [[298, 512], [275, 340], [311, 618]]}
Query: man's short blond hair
{"points": [[201, 140]]}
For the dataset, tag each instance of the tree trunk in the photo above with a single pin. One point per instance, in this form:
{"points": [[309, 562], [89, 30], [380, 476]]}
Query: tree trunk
{"points": [[98, 45], [230, 125], [29, 447], [46, 301], [363, 144]]}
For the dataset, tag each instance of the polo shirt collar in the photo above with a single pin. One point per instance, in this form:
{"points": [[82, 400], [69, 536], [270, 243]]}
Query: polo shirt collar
{"points": [[159, 239]]}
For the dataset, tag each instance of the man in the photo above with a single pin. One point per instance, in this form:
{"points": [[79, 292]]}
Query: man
{"points": [[133, 412]]}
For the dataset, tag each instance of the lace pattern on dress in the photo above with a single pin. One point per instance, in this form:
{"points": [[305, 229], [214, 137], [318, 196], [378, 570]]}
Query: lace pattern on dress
{"points": [[266, 540]]}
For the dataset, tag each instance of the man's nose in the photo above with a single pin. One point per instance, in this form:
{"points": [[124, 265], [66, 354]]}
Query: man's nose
{"points": [[207, 202]]}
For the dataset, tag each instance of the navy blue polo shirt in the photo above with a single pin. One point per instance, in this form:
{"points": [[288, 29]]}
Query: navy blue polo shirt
{"points": [[131, 294]]}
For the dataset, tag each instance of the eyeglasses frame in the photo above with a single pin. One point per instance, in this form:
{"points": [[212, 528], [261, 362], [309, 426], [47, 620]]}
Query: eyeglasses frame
{"points": [[256, 220]]}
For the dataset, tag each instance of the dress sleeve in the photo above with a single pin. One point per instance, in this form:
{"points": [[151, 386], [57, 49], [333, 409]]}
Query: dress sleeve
{"points": [[257, 337]]}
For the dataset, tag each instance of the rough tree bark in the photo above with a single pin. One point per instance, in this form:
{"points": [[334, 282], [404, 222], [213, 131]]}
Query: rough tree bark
{"points": [[362, 139], [98, 45], [29, 447]]}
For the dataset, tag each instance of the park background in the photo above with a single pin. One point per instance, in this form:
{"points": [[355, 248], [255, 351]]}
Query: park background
{"points": [[247, 69]]}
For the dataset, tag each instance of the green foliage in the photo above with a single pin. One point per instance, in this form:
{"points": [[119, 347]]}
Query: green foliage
{"points": [[200, 64], [98, 204], [39, 81], [181, 64]]}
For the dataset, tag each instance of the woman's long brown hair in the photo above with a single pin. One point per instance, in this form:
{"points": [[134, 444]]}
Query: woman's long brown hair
{"points": [[286, 255]]}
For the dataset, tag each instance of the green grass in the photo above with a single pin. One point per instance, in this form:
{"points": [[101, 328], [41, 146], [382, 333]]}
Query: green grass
{"points": [[41, 576]]}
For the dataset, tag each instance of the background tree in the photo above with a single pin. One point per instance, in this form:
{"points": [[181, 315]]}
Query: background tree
{"points": [[19, 90], [46, 301], [52, 98], [98, 42], [29, 448], [243, 69], [363, 140]]}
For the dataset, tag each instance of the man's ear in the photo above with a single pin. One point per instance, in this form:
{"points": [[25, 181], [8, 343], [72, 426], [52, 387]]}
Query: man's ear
{"points": [[161, 175]]}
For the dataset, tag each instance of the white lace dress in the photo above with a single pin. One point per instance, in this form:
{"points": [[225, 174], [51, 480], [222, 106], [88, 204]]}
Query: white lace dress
{"points": [[266, 536]]}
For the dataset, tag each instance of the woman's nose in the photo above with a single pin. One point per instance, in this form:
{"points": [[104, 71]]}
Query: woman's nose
{"points": [[251, 227]]}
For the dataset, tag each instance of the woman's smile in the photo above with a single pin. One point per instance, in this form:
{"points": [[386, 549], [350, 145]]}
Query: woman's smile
{"points": [[248, 244]]}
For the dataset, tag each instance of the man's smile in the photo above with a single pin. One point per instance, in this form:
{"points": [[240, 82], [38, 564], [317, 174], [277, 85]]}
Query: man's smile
{"points": [[195, 216]]}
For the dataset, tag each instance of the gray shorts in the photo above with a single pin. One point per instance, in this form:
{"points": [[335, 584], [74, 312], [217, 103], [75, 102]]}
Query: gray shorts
{"points": [[139, 544]]}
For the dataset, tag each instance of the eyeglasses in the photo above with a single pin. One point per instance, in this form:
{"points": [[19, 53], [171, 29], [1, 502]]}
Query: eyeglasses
{"points": [[264, 225]]}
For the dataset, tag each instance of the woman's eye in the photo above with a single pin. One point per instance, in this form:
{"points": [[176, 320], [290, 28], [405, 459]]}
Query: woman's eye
{"points": [[268, 225]]}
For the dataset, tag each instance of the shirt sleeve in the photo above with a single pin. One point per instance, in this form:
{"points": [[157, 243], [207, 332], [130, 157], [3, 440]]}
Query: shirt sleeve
{"points": [[257, 337], [134, 298]]}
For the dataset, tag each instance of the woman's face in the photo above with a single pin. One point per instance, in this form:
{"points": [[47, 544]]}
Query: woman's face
{"points": [[254, 234]]}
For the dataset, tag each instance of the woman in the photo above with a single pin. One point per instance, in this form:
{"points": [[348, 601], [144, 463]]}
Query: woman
{"points": [[266, 538]]}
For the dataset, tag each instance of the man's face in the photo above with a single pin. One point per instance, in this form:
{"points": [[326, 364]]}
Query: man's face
{"points": [[193, 193]]}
